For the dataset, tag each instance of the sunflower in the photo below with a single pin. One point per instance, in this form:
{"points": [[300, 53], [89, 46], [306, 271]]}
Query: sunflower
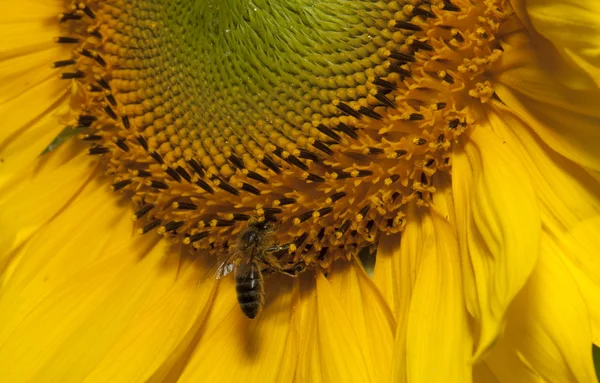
{"points": [[455, 144]]}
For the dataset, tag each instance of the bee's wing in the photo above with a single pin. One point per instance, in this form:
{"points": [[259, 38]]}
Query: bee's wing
{"points": [[228, 263], [224, 269]]}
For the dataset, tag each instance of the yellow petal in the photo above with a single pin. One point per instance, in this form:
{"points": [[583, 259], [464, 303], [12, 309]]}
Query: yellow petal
{"points": [[569, 200], [508, 366], [27, 24], [32, 198], [391, 273], [87, 299], [567, 194], [573, 27], [330, 349], [386, 275], [369, 315], [498, 225], [548, 331], [31, 93], [404, 258], [233, 348], [566, 119], [581, 247], [26, 133], [433, 340], [483, 374]]}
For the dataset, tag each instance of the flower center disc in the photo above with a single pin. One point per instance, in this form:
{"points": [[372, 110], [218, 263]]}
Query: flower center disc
{"points": [[327, 118]]}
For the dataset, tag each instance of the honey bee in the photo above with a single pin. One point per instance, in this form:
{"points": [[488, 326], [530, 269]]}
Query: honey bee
{"points": [[251, 254]]}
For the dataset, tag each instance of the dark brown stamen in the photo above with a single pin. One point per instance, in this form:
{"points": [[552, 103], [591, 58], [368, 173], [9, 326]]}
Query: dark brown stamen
{"points": [[157, 157], [198, 236], [268, 162], [224, 186], [236, 161], [365, 210], [72, 75], [315, 178], [142, 141], [222, 222], [308, 155], [122, 145], [328, 132], [422, 12], [67, 40], [257, 177], [98, 150], [322, 147], [111, 99], [286, 201], [384, 100], [63, 63], [448, 6], [241, 217], [300, 240], [370, 113], [384, 84], [143, 173], [183, 173], [185, 206], [150, 226], [305, 216], [325, 210], [170, 171], [402, 57], [416, 45], [92, 137], [205, 186], [111, 113], [125, 121], [337, 196], [69, 16], [345, 226], [250, 189], [407, 26], [347, 109], [196, 166], [401, 71], [158, 184], [173, 226], [349, 131], [272, 210], [143, 211]]}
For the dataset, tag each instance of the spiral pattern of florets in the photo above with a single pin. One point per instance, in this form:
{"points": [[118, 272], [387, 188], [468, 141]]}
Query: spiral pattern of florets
{"points": [[328, 118]]}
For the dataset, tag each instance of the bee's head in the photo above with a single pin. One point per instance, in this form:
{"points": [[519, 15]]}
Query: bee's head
{"points": [[254, 234], [261, 226], [249, 238]]}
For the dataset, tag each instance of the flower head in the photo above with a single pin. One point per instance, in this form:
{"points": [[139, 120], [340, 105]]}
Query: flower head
{"points": [[459, 139]]}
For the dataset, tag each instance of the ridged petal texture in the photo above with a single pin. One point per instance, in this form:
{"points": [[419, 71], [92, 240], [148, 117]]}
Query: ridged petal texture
{"points": [[573, 29], [27, 78], [498, 229], [495, 277]]}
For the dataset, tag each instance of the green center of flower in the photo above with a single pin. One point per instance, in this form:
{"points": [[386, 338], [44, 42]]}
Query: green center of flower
{"points": [[328, 118]]}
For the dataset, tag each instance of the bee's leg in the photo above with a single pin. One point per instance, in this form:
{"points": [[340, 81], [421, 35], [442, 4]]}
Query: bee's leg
{"points": [[274, 253], [278, 251], [292, 269], [278, 248]]}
